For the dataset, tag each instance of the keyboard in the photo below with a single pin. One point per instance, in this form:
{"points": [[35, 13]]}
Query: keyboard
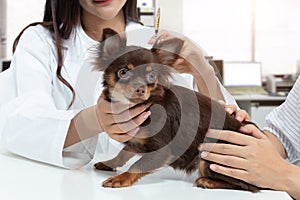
{"points": [[247, 90]]}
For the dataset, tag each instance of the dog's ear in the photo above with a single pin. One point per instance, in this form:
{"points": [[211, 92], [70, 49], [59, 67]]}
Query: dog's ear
{"points": [[112, 42], [110, 48], [167, 51]]}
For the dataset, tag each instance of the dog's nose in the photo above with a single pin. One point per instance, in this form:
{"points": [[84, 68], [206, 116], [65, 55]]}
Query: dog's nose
{"points": [[140, 91]]}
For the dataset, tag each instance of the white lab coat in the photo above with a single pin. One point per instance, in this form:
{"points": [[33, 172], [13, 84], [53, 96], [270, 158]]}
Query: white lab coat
{"points": [[34, 118]]}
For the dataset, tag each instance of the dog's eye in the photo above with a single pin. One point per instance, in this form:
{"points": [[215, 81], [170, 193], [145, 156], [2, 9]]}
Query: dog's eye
{"points": [[124, 73], [151, 77]]}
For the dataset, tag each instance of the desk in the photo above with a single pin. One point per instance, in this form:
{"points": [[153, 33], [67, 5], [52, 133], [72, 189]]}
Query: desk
{"points": [[258, 106], [259, 97], [29, 180]]}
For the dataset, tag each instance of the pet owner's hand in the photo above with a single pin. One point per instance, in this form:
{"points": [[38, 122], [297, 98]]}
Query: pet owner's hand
{"points": [[121, 122], [240, 114], [251, 157], [193, 61], [254, 157]]}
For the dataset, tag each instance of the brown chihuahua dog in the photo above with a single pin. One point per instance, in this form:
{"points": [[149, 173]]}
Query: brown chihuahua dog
{"points": [[179, 120]]}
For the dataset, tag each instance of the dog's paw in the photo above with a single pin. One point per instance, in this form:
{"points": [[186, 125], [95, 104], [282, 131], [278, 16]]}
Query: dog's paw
{"points": [[101, 166], [207, 183], [122, 180]]}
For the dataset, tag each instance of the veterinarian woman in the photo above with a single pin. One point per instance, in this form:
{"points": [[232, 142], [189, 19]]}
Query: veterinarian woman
{"points": [[260, 159], [54, 113]]}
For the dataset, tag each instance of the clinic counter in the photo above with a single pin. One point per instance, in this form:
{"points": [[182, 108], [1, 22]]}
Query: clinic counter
{"points": [[29, 180], [258, 106], [259, 97]]}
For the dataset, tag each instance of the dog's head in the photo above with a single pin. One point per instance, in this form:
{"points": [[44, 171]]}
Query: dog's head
{"points": [[132, 73]]}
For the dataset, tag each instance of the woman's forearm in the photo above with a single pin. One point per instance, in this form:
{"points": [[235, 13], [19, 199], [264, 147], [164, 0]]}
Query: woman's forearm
{"points": [[277, 144], [207, 83], [290, 181], [290, 174], [84, 125]]}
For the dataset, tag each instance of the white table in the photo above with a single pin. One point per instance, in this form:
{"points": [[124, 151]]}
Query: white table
{"points": [[29, 180], [258, 106]]}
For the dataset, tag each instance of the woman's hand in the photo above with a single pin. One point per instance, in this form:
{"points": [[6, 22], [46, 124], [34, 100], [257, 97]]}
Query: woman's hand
{"points": [[240, 115], [250, 157], [193, 61], [121, 122]]}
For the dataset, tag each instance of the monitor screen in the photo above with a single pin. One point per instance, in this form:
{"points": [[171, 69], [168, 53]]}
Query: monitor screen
{"points": [[242, 74]]}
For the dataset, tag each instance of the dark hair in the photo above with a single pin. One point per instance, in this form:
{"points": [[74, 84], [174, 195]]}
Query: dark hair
{"points": [[61, 17]]}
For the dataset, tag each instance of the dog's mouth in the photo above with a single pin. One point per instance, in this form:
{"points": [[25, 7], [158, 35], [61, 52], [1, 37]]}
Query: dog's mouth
{"points": [[130, 94]]}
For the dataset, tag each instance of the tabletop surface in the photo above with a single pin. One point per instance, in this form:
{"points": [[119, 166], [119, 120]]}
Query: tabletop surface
{"points": [[24, 179], [258, 97]]}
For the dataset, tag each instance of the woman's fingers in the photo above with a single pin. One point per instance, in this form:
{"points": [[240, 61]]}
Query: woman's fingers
{"points": [[227, 160], [161, 36], [124, 137], [229, 136], [129, 114], [230, 109], [190, 54], [229, 171], [129, 125], [120, 121], [253, 131], [248, 134], [115, 107], [240, 115], [125, 131], [223, 103], [223, 148]]}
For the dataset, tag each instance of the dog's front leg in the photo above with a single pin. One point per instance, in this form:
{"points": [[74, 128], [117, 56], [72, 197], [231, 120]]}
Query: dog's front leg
{"points": [[111, 165], [147, 164]]}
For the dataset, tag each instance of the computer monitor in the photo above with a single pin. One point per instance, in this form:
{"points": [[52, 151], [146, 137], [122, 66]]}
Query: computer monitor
{"points": [[242, 74], [4, 64]]}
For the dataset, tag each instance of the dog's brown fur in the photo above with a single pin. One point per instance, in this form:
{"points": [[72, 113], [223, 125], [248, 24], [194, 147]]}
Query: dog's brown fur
{"points": [[177, 126]]}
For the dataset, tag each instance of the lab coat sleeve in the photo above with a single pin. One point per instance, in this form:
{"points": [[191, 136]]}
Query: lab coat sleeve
{"points": [[31, 125], [187, 80], [228, 98]]}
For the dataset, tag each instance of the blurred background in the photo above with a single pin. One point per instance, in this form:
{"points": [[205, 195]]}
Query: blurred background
{"points": [[249, 30], [255, 40]]}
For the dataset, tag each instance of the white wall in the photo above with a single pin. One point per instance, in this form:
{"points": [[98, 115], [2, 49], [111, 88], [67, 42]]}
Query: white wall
{"points": [[278, 35], [171, 14], [223, 29], [19, 15]]}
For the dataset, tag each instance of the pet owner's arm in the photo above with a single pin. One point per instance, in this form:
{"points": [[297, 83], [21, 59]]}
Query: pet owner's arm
{"points": [[255, 157], [119, 122]]}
